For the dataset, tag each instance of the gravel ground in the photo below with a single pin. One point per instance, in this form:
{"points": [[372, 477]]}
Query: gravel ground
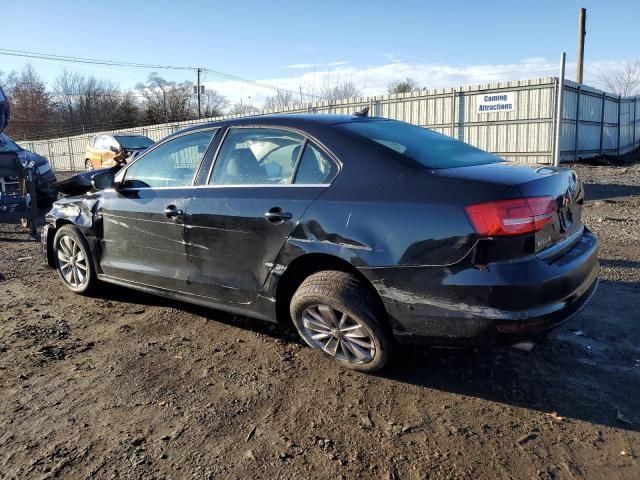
{"points": [[131, 385]]}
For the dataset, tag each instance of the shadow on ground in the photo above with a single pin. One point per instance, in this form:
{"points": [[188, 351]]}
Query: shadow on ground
{"points": [[588, 369], [603, 191]]}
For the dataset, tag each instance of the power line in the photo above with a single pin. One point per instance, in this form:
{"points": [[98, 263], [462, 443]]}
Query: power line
{"points": [[93, 61], [118, 63]]}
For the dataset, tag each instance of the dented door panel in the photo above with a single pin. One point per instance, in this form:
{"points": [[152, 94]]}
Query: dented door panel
{"points": [[231, 244], [139, 242]]}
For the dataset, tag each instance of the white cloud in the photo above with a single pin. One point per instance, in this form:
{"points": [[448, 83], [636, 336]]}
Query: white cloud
{"points": [[374, 79], [302, 66], [309, 66]]}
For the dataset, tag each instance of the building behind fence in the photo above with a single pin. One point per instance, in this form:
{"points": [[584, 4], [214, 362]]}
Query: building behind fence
{"points": [[515, 120]]}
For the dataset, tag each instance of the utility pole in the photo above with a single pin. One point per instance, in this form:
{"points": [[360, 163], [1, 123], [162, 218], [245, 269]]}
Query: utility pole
{"points": [[198, 70], [582, 20]]}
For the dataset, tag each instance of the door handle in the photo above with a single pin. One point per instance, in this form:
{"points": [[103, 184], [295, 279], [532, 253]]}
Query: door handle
{"points": [[276, 215], [172, 211]]}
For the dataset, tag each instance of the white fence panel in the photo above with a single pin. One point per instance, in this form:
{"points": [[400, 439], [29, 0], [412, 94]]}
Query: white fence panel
{"points": [[525, 132]]}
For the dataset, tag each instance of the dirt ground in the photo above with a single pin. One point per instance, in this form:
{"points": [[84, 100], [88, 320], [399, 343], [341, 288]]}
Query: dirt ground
{"points": [[128, 385]]}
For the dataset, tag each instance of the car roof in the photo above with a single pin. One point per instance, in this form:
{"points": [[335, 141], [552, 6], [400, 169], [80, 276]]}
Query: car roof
{"points": [[293, 120], [286, 120]]}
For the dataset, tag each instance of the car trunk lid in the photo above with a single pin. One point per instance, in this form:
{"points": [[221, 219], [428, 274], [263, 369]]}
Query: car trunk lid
{"points": [[562, 185], [566, 225]]}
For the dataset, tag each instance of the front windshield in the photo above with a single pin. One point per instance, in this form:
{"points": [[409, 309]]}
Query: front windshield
{"points": [[8, 146], [134, 141], [430, 149]]}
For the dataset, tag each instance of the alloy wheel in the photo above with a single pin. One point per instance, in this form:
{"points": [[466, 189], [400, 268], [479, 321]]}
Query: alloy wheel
{"points": [[338, 334], [72, 262]]}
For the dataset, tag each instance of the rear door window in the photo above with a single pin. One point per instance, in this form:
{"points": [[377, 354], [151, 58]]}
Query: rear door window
{"points": [[315, 167], [257, 156]]}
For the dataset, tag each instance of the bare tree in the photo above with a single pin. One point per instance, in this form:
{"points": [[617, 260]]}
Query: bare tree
{"points": [[624, 81], [243, 109], [279, 101], [212, 103], [165, 101], [30, 103], [340, 91], [86, 103], [403, 86]]}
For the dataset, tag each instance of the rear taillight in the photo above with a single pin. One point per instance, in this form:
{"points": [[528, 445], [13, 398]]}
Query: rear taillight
{"points": [[511, 217]]}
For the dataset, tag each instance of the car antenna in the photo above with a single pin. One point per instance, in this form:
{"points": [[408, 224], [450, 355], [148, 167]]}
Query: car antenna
{"points": [[362, 113]]}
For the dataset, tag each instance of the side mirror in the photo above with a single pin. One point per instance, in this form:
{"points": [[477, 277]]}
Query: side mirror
{"points": [[103, 180]]}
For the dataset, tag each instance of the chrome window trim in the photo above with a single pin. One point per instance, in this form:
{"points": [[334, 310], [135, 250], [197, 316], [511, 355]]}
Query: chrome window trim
{"points": [[256, 185], [121, 174]]}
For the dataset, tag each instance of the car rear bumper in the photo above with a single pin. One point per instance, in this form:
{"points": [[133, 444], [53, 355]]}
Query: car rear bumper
{"points": [[498, 303]]}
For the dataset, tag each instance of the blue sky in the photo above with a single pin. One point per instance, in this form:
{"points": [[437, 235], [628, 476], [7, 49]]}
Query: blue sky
{"points": [[309, 44]]}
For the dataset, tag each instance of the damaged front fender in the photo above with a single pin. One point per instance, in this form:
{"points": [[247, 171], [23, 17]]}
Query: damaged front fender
{"points": [[77, 211]]}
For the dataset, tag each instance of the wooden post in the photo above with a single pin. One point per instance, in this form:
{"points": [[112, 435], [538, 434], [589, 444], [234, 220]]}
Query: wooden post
{"points": [[582, 20]]}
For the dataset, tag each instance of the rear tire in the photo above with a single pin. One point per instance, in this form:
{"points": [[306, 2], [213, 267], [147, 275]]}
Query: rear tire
{"points": [[73, 260], [338, 315]]}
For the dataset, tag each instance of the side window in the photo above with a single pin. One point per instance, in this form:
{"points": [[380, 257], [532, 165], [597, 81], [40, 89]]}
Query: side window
{"points": [[110, 143], [315, 167], [257, 156], [172, 164], [98, 144]]}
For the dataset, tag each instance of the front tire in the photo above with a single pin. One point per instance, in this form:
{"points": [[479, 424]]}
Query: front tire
{"points": [[73, 260], [338, 315]]}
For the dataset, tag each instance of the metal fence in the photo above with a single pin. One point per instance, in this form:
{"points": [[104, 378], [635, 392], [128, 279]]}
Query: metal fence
{"points": [[521, 129], [595, 122]]}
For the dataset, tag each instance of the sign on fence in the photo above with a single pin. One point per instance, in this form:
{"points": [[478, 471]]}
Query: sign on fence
{"points": [[496, 102]]}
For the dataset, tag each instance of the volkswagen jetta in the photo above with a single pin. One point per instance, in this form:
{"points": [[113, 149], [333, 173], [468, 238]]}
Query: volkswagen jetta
{"points": [[360, 231]]}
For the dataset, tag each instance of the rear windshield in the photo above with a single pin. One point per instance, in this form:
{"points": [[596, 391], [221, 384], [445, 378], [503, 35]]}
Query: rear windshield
{"points": [[134, 141], [426, 147]]}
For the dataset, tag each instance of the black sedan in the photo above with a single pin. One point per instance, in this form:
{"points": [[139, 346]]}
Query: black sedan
{"points": [[362, 232]]}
